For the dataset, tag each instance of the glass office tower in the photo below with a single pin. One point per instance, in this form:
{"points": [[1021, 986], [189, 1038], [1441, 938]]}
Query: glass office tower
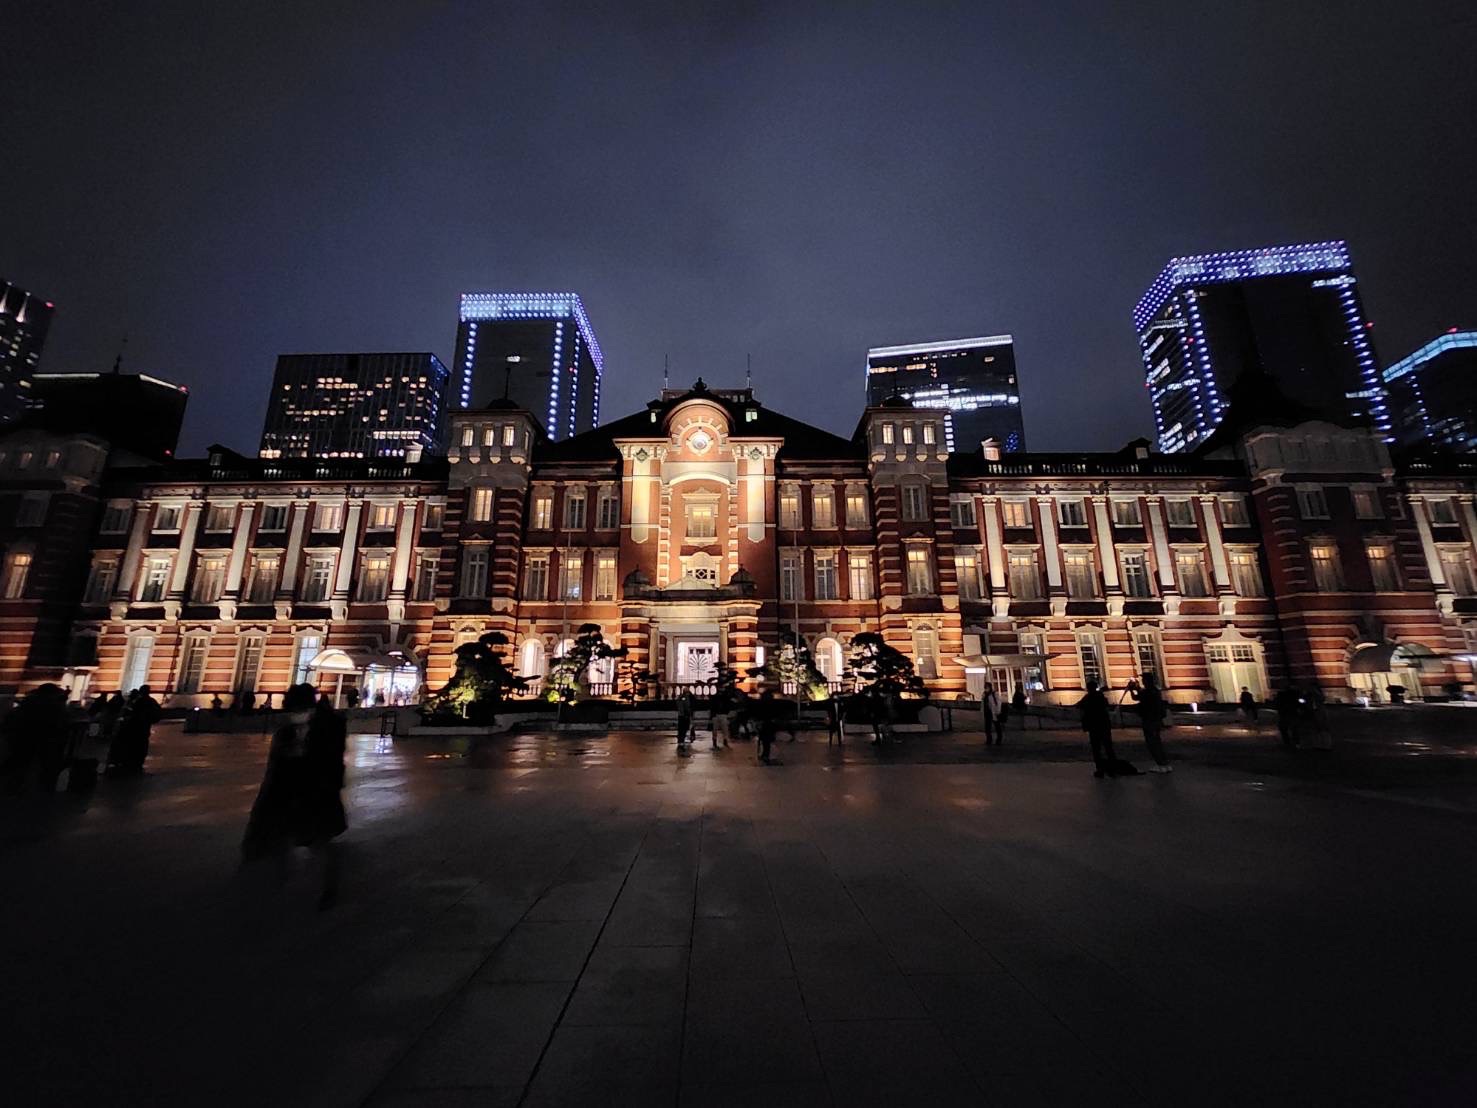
{"points": [[972, 380], [24, 321], [1293, 312], [1433, 393], [355, 406], [536, 348]]}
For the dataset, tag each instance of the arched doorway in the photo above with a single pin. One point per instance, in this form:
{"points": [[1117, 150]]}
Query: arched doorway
{"points": [[830, 661], [1235, 662], [1377, 668], [532, 665]]}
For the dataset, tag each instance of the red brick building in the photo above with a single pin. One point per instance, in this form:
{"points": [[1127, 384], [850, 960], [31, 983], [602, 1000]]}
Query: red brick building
{"points": [[693, 531]]}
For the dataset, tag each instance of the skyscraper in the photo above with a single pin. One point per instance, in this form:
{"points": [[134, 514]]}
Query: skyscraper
{"points": [[1433, 393], [24, 321], [354, 405], [133, 411], [972, 380], [537, 348], [1291, 311]]}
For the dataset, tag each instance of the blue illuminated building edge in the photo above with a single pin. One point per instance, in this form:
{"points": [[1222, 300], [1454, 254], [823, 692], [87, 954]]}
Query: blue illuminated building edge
{"points": [[1238, 265], [1452, 340], [478, 306]]}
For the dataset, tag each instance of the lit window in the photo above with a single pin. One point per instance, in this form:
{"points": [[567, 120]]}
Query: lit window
{"points": [[536, 577], [489, 436], [481, 505], [469, 436], [1246, 573], [607, 510], [920, 571], [220, 517], [543, 511], [435, 514], [1327, 576], [789, 508], [887, 433], [967, 570], [210, 579], [825, 577], [1025, 576], [101, 581], [605, 577], [474, 571], [318, 581], [790, 576], [1081, 575], [1090, 655], [856, 508], [1148, 654], [574, 509], [510, 435], [915, 503], [702, 520], [925, 651], [930, 434], [328, 517], [1190, 567], [381, 517], [192, 663], [961, 512], [822, 508], [423, 584], [1017, 513], [1071, 513], [1233, 511], [17, 569], [1136, 584], [136, 661], [907, 434], [571, 574], [248, 664], [274, 517], [374, 578], [1456, 563], [860, 576], [1382, 572], [308, 647], [155, 579], [261, 586]]}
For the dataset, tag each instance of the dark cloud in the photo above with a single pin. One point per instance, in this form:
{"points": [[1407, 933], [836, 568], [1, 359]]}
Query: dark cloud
{"points": [[226, 182]]}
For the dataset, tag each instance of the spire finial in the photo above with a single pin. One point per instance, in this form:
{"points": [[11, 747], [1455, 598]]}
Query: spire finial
{"points": [[666, 373], [118, 361], [748, 371]]}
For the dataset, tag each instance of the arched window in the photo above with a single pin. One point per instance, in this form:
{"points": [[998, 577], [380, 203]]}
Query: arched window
{"points": [[828, 659], [531, 659]]}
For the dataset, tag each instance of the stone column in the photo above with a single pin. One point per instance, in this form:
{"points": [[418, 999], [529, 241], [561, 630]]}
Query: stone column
{"points": [[1047, 507], [1159, 535], [236, 567], [339, 604], [302, 511], [132, 556], [1107, 555], [995, 553], [1220, 568], [189, 528], [1444, 598]]}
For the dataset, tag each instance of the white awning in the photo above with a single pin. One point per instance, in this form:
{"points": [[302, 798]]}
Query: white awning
{"points": [[338, 660], [1000, 661]]}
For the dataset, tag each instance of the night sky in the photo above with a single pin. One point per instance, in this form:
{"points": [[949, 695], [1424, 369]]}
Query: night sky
{"points": [[226, 182]]}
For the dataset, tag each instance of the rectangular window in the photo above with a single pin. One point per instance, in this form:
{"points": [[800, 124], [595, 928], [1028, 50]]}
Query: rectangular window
{"points": [[469, 436], [822, 508], [1367, 504], [1081, 575], [475, 560], [381, 517], [1246, 572], [192, 663], [1126, 513], [915, 503], [136, 661], [571, 575], [608, 516], [481, 506], [961, 513], [536, 577], [1071, 513], [1025, 576], [907, 434], [887, 433], [374, 578], [1327, 577], [101, 581], [167, 518], [790, 576], [789, 509], [1180, 513], [435, 516], [920, 571], [274, 517], [825, 577], [702, 520], [930, 434], [308, 647], [489, 436], [605, 577], [1090, 655], [1382, 567], [856, 508], [17, 569], [328, 517], [1233, 511], [262, 584], [1017, 513], [1190, 568], [248, 664], [155, 579], [510, 435], [574, 509], [967, 569], [423, 585], [31, 512], [1312, 503], [1456, 563], [543, 511], [1034, 677], [220, 517], [318, 580], [1136, 584], [115, 517], [1443, 512], [860, 581], [1147, 653], [210, 579]]}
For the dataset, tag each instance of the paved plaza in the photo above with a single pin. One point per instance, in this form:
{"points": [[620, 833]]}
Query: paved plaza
{"points": [[592, 919]]}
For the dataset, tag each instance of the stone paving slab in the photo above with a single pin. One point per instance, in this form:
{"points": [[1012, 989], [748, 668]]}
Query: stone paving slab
{"points": [[599, 921]]}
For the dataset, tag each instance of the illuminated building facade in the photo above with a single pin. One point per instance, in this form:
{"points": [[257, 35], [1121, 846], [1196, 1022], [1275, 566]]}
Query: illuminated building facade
{"points": [[1292, 312], [537, 349], [355, 406], [972, 381], [701, 529], [24, 321], [1433, 393]]}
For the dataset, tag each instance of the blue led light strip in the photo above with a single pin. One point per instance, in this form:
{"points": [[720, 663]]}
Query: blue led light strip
{"points": [[1238, 265], [1454, 340]]}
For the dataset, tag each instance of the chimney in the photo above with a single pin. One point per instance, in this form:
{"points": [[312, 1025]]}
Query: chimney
{"points": [[991, 447]]}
